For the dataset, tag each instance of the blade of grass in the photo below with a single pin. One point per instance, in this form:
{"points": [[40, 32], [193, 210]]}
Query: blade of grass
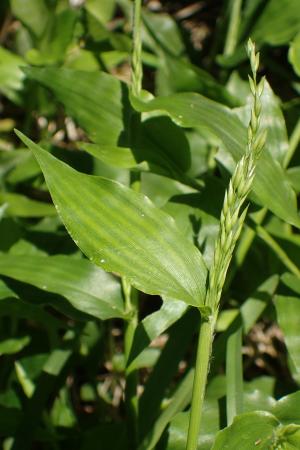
{"points": [[234, 373], [233, 27], [180, 400]]}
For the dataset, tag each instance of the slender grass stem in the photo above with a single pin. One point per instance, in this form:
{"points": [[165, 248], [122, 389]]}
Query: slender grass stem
{"points": [[200, 378], [136, 61], [233, 27], [130, 293]]}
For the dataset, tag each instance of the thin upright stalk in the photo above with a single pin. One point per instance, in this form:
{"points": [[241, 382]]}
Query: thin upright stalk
{"points": [[130, 293], [200, 379], [136, 60]]}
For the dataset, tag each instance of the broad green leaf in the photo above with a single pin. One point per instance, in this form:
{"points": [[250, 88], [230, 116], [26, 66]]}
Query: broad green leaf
{"points": [[93, 99], [160, 146], [163, 32], [11, 76], [294, 54], [177, 75], [194, 110], [259, 394], [33, 13], [234, 374], [121, 157], [164, 145], [87, 287], [20, 206], [123, 232], [278, 23], [256, 430], [160, 189], [99, 103], [288, 313], [287, 409]]}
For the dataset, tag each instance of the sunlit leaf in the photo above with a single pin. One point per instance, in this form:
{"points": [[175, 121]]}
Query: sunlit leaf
{"points": [[123, 232]]}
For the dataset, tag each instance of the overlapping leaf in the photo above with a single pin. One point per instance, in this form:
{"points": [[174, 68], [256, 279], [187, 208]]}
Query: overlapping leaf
{"points": [[88, 288], [194, 110]]}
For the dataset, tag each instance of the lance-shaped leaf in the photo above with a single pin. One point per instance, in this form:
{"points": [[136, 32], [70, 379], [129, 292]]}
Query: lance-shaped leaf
{"points": [[123, 232], [88, 288]]}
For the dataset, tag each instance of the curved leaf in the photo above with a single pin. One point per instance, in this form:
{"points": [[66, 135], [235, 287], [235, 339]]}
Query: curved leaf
{"points": [[278, 23], [194, 110], [21, 206], [154, 325], [94, 99], [123, 232], [88, 288]]}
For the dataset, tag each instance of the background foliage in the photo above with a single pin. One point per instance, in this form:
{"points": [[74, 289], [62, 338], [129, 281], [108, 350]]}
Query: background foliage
{"points": [[64, 74]]}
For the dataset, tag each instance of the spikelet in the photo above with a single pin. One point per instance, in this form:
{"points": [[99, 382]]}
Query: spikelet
{"points": [[232, 215]]}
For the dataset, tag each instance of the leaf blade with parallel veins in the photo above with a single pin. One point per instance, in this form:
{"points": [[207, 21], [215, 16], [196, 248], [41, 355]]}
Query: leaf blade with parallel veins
{"points": [[123, 232]]}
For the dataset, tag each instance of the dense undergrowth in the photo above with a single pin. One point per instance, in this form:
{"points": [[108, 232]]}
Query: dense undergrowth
{"points": [[100, 287]]}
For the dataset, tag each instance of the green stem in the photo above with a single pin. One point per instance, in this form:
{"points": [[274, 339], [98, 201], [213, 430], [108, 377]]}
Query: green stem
{"points": [[131, 294], [233, 27], [136, 63], [200, 379]]}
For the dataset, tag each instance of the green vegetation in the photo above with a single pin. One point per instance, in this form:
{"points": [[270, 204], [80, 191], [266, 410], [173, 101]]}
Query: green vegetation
{"points": [[149, 246]]}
